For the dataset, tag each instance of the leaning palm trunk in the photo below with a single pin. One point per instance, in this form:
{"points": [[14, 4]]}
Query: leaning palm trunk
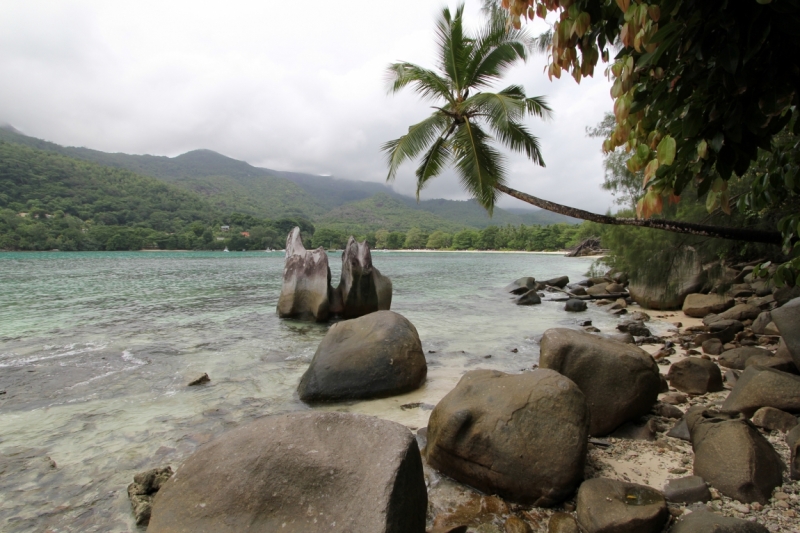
{"points": [[676, 226]]}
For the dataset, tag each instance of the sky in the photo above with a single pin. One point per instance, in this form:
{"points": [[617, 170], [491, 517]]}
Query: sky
{"points": [[280, 85]]}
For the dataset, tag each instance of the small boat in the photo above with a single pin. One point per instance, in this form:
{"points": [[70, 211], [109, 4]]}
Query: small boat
{"points": [[226, 249]]}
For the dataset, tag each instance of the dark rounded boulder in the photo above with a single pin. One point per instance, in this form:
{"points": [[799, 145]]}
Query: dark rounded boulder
{"points": [[305, 472], [529, 298], [695, 375], [373, 356], [522, 436], [621, 381], [610, 506], [575, 305], [521, 286]]}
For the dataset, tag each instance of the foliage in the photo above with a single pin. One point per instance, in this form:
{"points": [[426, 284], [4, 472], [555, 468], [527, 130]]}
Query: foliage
{"points": [[625, 186], [467, 121]]}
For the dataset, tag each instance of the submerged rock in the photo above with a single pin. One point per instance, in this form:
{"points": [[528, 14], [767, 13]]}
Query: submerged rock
{"points": [[305, 294], [376, 355], [299, 473], [621, 381], [141, 492], [362, 288], [522, 436]]}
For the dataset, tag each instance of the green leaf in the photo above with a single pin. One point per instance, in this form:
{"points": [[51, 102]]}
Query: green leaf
{"points": [[692, 124], [717, 142], [666, 151]]}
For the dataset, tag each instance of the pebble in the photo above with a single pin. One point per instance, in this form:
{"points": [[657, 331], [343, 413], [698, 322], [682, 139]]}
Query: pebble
{"points": [[741, 507]]}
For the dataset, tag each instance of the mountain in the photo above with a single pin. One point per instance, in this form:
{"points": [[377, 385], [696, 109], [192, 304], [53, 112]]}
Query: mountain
{"points": [[383, 211], [231, 185]]}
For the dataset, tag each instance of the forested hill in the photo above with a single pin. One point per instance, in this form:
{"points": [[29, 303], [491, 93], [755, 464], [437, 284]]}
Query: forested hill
{"points": [[236, 186]]}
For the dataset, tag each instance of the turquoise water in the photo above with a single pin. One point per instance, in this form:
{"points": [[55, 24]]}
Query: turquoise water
{"points": [[96, 350]]}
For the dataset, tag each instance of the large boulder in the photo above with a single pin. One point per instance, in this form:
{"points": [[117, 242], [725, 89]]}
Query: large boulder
{"points": [[695, 375], [521, 286], [740, 312], [575, 305], [305, 294], [376, 355], [529, 298], [610, 506], [560, 282], [737, 358], [685, 276], [787, 319], [708, 522], [731, 454], [620, 381], [362, 288], [302, 472], [700, 305], [760, 386], [522, 436]]}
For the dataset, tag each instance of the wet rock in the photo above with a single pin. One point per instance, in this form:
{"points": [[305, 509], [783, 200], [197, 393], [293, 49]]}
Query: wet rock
{"points": [[141, 492], [574, 305], [737, 358], [708, 522], [299, 472], [521, 286], [787, 319], [362, 288], [793, 442], [611, 506], [515, 524], [631, 431], [694, 375], [373, 356], [475, 511], [700, 305], [522, 436], [529, 298], [619, 305], [562, 523], [686, 276], [764, 387], [620, 381], [771, 419], [634, 327], [560, 282], [688, 489], [712, 347], [305, 294], [199, 380], [733, 456], [667, 411], [639, 316]]}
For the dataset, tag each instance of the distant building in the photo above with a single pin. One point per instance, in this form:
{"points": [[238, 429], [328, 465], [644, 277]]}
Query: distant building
{"points": [[225, 228], [245, 234]]}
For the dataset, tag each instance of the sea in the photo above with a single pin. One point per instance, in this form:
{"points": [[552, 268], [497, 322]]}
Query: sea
{"points": [[97, 349]]}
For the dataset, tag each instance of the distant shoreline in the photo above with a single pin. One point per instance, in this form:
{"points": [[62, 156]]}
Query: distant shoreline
{"points": [[563, 253]]}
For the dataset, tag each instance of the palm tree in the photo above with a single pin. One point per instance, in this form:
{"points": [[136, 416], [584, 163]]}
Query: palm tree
{"points": [[466, 122]]}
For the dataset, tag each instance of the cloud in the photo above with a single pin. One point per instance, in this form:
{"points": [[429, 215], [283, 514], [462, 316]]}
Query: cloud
{"points": [[280, 86]]}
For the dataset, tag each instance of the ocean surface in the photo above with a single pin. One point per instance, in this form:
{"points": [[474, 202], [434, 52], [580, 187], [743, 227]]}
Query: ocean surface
{"points": [[96, 350]]}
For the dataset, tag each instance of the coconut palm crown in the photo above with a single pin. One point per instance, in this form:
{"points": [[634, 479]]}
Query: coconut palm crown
{"points": [[468, 122]]}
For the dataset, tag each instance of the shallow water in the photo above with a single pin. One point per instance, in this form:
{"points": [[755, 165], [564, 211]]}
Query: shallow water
{"points": [[96, 350]]}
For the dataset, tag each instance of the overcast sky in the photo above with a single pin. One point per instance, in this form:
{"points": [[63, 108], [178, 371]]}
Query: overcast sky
{"points": [[274, 84]]}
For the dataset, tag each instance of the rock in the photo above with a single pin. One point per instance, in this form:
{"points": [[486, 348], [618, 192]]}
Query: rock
{"points": [[515, 524], [731, 377], [611, 506], [559, 282], [785, 294], [521, 286], [635, 328], [737, 358], [620, 381], [733, 456], [597, 290], [724, 330], [740, 312], [779, 361], [793, 441], [574, 305], [686, 276], [680, 431], [562, 523], [373, 356], [299, 472], [764, 387], [761, 322], [141, 492], [699, 305], [362, 288], [199, 380], [674, 398], [740, 290], [664, 387], [771, 419], [625, 338], [667, 411], [639, 316], [529, 298], [619, 277], [614, 288], [522, 436], [787, 319], [631, 431], [707, 522], [619, 304], [694, 375], [598, 281], [762, 302], [712, 346], [687, 490], [305, 294], [578, 291]]}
